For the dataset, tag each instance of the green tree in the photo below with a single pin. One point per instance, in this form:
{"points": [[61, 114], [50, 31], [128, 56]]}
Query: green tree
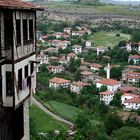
{"points": [[116, 72], [103, 88], [126, 133], [77, 75], [116, 100], [113, 122]]}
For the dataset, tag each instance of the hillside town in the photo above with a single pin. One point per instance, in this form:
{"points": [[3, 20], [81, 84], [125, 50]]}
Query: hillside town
{"points": [[59, 52]]}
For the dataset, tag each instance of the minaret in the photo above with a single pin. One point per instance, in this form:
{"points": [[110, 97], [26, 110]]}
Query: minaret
{"points": [[107, 69]]}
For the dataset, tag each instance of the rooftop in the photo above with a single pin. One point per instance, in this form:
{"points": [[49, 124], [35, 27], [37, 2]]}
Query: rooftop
{"points": [[59, 80], [18, 4], [96, 65], [134, 56], [106, 93], [110, 82], [133, 100], [80, 84]]}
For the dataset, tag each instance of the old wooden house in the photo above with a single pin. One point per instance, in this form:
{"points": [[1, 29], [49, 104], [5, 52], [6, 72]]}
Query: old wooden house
{"points": [[17, 61]]}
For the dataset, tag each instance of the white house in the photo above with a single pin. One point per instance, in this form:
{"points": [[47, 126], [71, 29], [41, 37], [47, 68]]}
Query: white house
{"points": [[58, 35], [135, 58], [42, 58], [67, 30], [59, 83], [106, 97], [112, 85], [88, 44], [128, 47], [56, 69], [100, 49], [95, 67], [133, 103], [133, 77], [77, 49], [77, 86]]}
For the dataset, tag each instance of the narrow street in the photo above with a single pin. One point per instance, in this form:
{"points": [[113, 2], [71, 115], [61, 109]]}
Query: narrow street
{"points": [[50, 113]]}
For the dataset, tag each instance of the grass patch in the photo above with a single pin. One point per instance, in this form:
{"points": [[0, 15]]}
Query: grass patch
{"points": [[108, 39], [43, 122], [67, 111]]}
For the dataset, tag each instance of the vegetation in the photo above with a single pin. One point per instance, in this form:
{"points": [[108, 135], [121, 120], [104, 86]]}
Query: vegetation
{"points": [[67, 111], [40, 122], [108, 39]]}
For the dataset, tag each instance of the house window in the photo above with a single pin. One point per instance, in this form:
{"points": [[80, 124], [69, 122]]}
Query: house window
{"points": [[26, 71], [20, 79], [8, 29], [25, 30], [32, 67], [9, 83], [31, 29], [18, 32]]}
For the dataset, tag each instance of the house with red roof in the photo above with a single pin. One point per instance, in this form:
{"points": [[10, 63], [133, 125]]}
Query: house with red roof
{"points": [[71, 55], [42, 58], [56, 69], [135, 58], [128, 96], [57, 83], [112, 85], [95, 67], [77, 49], [132, 104], [130, 77], [76, 87], [106, 97]]}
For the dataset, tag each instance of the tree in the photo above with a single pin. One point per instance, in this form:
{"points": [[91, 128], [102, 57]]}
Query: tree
{"points": [[113, 122], [136, 36], [103, 88], [77, 75], [116, 72], [126, 133], [103, 108], [116, 100]]}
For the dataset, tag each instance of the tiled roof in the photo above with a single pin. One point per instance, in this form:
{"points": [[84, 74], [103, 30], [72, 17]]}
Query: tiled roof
{"points": [[106, 93], [71, 55], [86, 73], [110, 82], [132, 95], [133, 100], [133, 67], [96, 65], [80, 84], [18, 4], [134, 56], [55, 67], [59, 80], [128, 89]]}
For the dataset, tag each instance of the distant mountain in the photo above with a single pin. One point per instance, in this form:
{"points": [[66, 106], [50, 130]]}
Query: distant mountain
{"points": [[121, 2]]}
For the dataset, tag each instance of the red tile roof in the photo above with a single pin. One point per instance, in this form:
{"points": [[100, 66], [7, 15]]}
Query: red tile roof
{"points": [[134, 57], [80, 84], [96, 65], [87, 73], [18, 4], [133, 67], [110, 82], [132, 95], [106, 93], [59, 80], [133, 100], [128, 89]]}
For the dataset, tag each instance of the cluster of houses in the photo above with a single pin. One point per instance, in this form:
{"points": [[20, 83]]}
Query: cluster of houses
{"points": [[89, 72]]}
